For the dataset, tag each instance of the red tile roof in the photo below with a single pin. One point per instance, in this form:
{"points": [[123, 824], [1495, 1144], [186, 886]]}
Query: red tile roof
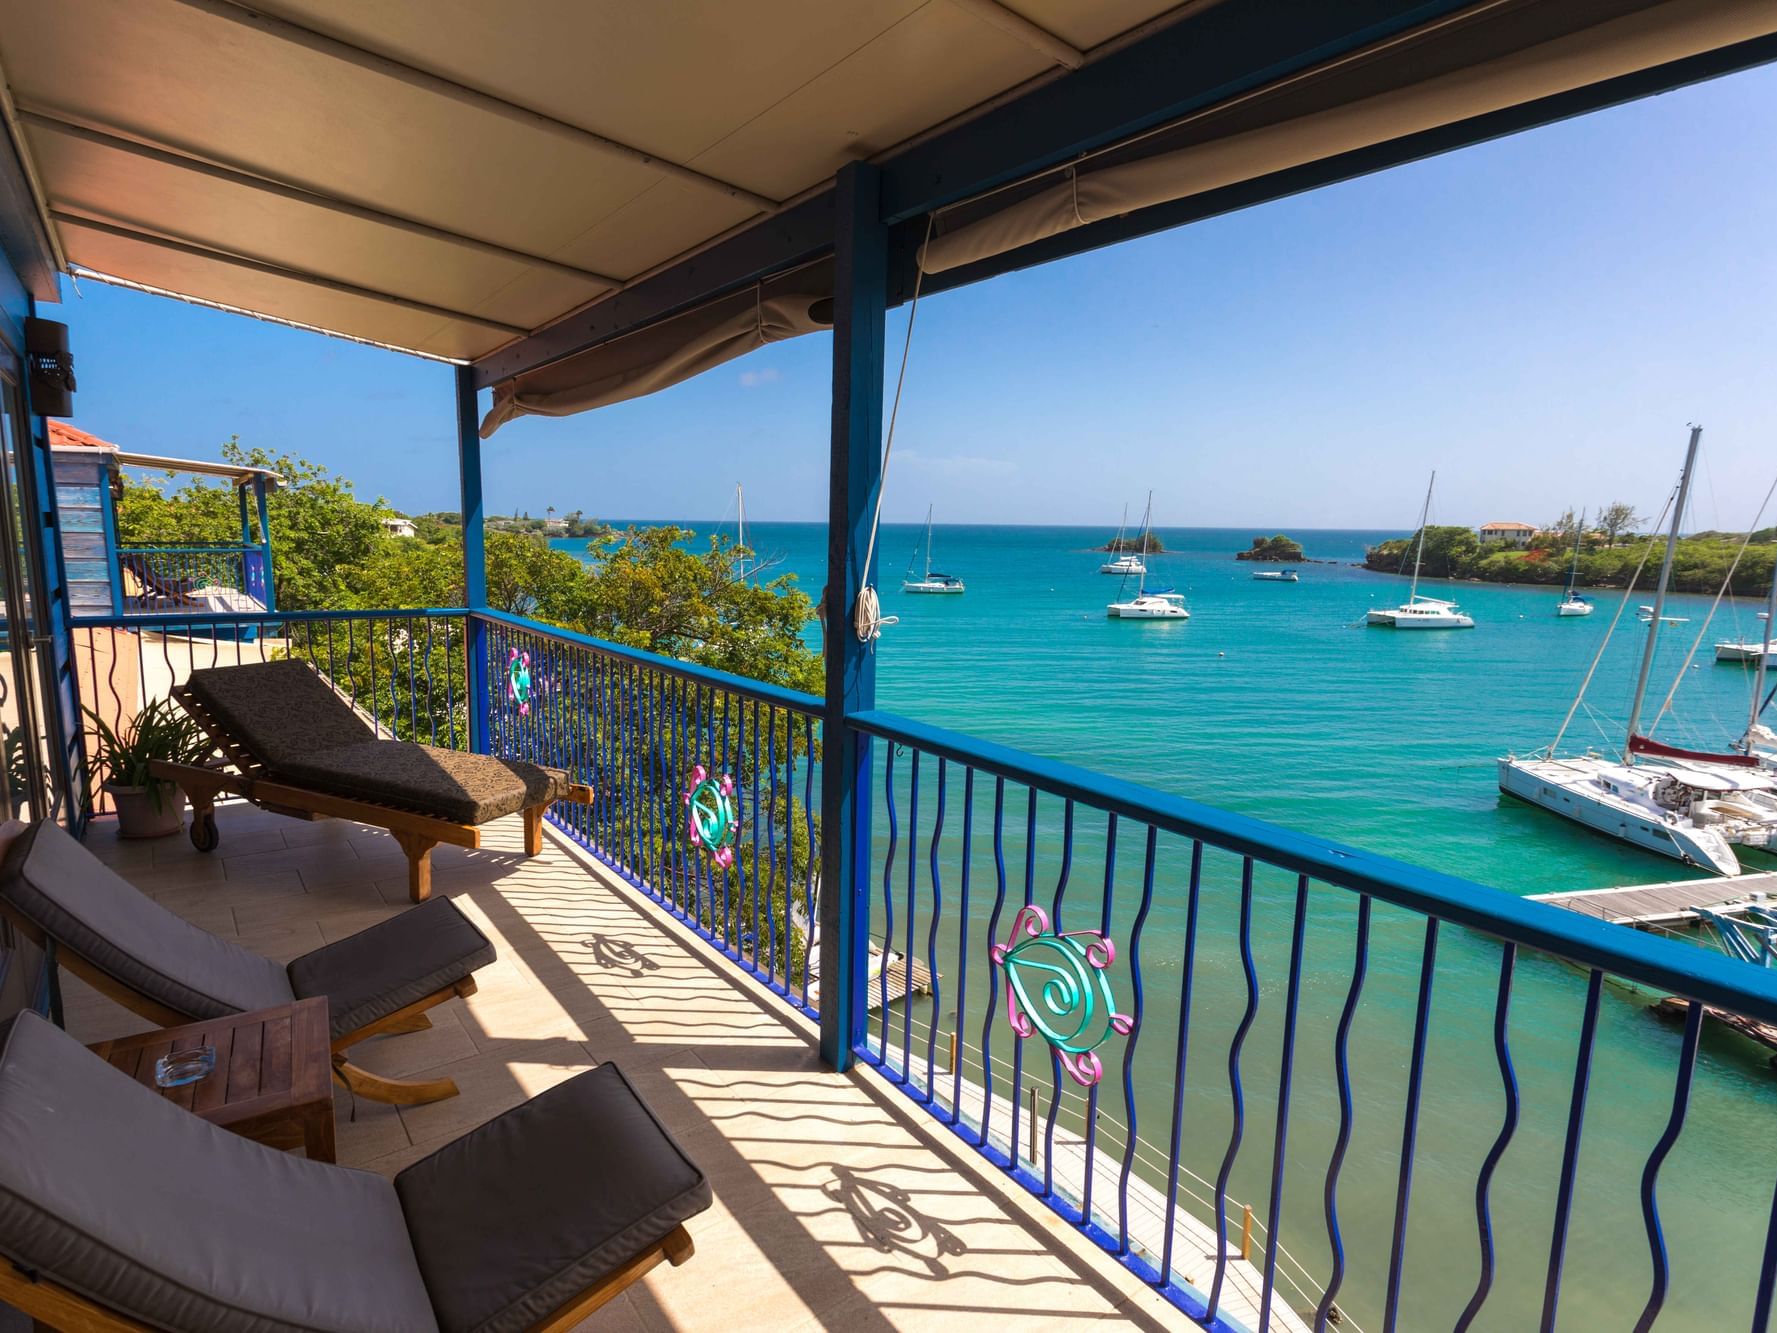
{"points": [[64, 436]]}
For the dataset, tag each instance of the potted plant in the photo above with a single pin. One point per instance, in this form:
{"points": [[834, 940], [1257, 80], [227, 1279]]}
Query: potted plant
{"points": [[147, 806]]}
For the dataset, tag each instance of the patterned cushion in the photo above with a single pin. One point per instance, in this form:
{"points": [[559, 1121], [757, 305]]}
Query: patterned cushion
{"points": [[392, 964], [453, 785], [279, 710]]}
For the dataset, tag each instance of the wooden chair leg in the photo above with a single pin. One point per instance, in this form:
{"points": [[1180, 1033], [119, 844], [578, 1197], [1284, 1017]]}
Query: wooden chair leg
{"points": [[533, 829], [392, 1091], [413, 1023], [419, 863]]}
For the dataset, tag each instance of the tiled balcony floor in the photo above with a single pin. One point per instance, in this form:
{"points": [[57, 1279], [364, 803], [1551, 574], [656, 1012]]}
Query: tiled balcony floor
{"points": [[835, 1205]]}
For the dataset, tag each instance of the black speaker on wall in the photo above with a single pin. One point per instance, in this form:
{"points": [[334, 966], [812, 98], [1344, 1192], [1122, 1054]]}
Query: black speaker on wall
{"points": [[51, 367]]}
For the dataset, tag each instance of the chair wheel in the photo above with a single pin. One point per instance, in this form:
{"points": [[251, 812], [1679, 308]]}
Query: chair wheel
{"points": [[205, 836]]}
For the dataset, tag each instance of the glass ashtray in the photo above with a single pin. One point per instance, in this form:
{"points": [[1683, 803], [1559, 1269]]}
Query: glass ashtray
{"points": [[177, 1068]]}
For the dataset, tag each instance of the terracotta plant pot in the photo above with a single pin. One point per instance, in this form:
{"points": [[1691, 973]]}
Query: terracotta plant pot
{"points": [[139, 815]]}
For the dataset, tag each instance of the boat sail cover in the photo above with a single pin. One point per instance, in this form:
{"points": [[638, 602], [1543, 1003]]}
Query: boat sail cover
{"points": [[1657, 749]]}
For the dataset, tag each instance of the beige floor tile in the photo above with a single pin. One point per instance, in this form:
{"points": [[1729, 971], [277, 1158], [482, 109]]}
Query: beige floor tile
{"points": [[836, 1205]]}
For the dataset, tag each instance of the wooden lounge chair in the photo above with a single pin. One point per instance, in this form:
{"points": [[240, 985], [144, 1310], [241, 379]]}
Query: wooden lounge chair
{"points": [[155, 963], [296, 747], [121, 1211]]}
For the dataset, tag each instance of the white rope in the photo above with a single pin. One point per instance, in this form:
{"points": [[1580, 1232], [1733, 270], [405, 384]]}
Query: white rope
{"points": [[1598, 657], [867, 617], [1696, 643]]}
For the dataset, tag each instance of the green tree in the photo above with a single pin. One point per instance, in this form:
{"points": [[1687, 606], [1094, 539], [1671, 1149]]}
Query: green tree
{"points": [[1615, 519]]}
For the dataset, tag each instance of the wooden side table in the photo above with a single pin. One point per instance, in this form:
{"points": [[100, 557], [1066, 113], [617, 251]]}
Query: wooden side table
{"points": [[273, 1080]]}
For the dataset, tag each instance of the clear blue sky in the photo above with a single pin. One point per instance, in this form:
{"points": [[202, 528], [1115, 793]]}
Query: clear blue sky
{"points": [[1537, 318]]}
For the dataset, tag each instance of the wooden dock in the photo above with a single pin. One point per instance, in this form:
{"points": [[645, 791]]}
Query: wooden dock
{"points": [[1672, 903], [899, 980]]}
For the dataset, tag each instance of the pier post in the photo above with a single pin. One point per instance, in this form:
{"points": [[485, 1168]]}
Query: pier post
{"points": [[860, 302], [1246, 1231]]}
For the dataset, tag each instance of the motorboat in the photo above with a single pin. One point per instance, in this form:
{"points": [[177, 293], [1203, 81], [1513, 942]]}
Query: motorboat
{"points": [[1277, 576], [1419, 612]]}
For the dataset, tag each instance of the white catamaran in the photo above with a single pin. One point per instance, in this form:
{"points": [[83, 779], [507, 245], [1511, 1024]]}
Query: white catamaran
{"points": [[1122, 561], [931, 582], [1572, 604], [1686, 804], [1159, 604], [1419, 612]]}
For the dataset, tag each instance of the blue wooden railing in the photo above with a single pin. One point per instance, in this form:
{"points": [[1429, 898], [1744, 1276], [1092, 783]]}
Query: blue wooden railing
{"points": [[169, 580], [1295, 1007]]}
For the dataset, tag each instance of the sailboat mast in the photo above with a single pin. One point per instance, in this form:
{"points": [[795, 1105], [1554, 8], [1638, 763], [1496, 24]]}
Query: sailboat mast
{"points": [[1758, 677], [1574, 568], [1653, 624], [1424, 513], [928, 543], [1141, 583], [740, 527]]}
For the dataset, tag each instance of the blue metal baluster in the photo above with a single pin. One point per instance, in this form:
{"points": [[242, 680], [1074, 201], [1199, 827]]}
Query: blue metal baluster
{"points": [[753, 850], [771, 879], [431, 701], [673, 864], [814, 852], [1239, 1099], [1570, 1152], [1030, 886], [413, 695], [888, 896], [1104, 928], [690, 755], [1410, 1126], [376, 714], [1274, 1210], [632, 796], [912, 888], [1502, 1053], [1650, 1208], [1178, 1068], [993, 971], [1767, 1275], [1133, 1124], [1360, 965], [1067, 865], [731, 764], [351, 651], [962, 948], [932, 940]]}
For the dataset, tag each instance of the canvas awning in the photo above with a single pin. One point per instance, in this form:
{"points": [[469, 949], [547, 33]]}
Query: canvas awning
{"points": [[1470, 66]]}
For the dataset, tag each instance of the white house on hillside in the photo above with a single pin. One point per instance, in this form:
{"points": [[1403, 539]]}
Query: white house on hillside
{"points": [[400, 527], [1506, 534]]}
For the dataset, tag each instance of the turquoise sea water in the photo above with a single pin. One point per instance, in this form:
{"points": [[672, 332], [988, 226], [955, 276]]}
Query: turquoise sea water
{"points": [[1274, 701]]}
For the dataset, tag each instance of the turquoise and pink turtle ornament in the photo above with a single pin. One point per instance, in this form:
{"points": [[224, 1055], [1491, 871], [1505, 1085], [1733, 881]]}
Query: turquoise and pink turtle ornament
{"points": [[518, 680], [710, 819]]}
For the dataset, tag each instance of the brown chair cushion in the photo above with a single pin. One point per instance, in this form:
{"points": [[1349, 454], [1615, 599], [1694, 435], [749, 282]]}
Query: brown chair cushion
{"points": [[451, 784], [392, 964], [518, 1217], [112, 1191], [280, 711], [86, 908]]}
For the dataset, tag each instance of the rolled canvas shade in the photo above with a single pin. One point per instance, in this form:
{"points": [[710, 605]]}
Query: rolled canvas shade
{"points": [[672, 351], [1653, 34]]}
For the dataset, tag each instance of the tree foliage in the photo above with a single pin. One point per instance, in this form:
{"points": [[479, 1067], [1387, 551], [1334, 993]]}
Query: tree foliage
{"points": [[1616, 519], [1278, 549], [1699, 564]]}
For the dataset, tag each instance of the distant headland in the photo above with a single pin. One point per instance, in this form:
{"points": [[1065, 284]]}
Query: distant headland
{"points": [[1141, 543]]}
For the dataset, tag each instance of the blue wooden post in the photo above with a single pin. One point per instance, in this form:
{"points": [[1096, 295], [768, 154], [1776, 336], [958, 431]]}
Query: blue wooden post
{"points": [[271, 587], [474, 553], [860, 292]]}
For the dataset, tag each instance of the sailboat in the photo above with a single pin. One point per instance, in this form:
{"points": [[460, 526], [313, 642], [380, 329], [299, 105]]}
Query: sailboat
{"points": [[931, 582], [1124, 562], [1572, 604], [1161, 603], [740, 533], [1684, 804], [1419, 612]]}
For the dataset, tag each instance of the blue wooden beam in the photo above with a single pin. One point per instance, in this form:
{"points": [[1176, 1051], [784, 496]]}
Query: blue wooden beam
{"points": [[855, 478], [474, 553]]}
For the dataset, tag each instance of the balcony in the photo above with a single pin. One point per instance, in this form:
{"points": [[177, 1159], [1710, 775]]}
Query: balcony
{"points": [[835, 1203]]}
